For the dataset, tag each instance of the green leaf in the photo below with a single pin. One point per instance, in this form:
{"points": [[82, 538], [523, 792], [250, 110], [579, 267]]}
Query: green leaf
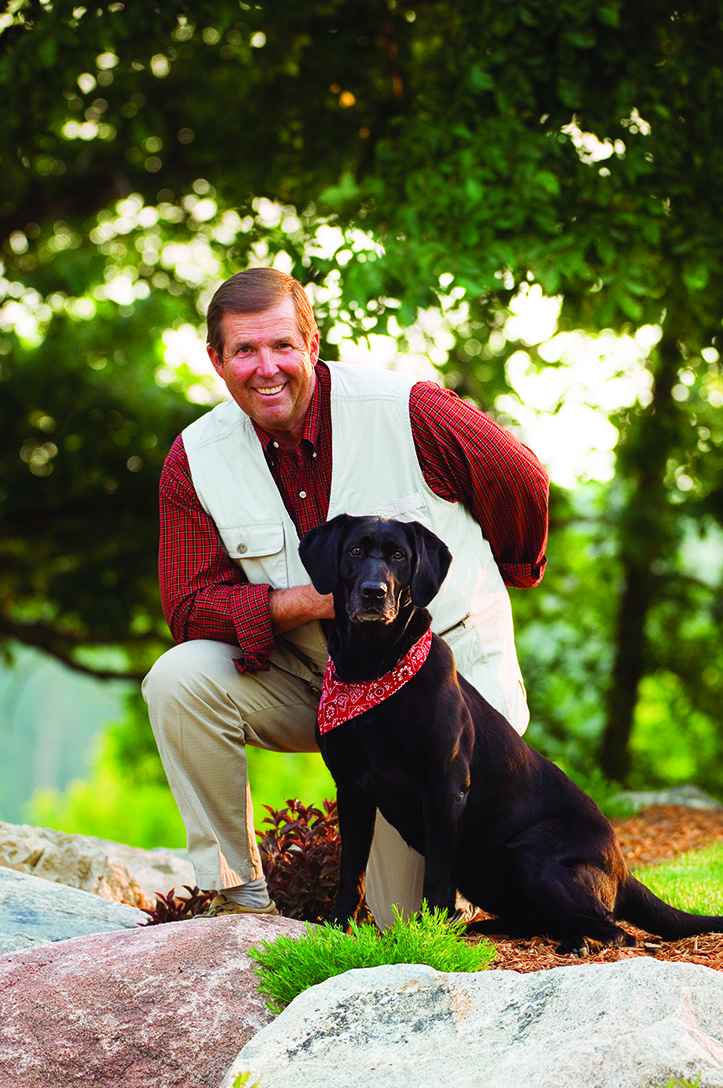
{"points": [[473, 189], [609, 14], [549, 182], [479, 80], [696, 277], [340, 197]]}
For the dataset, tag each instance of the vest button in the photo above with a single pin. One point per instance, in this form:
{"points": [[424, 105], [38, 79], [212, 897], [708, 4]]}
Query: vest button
{"points": [[242, 548]]}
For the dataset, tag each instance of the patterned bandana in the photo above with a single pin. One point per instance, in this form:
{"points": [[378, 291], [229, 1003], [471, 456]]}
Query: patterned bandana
{"points": [[341, 702]]}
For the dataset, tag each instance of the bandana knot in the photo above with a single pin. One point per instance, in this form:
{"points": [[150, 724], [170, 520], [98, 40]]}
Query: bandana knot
{"points": [[340, 702]]}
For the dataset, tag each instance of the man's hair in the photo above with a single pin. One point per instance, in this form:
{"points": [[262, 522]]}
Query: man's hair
{"points": [[253, 291]]}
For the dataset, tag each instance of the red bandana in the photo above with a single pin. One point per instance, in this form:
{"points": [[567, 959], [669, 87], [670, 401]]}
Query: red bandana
{"points": [[341, 702]]}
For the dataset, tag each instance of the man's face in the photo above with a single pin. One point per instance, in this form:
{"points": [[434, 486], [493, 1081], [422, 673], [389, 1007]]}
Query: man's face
{"points": [[268, 369]]}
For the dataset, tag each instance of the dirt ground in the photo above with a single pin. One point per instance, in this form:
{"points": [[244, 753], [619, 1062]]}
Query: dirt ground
{"points": [[656, 834]]}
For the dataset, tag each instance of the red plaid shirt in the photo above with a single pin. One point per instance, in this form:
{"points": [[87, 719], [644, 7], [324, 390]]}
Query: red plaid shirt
{"points": [[463, 454]]}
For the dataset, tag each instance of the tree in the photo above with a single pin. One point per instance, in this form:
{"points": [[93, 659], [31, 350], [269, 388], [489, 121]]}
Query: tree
{"points": [[466, 146]]}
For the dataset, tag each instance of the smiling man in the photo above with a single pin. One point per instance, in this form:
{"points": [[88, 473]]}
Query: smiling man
{"points": [[299, 442]]}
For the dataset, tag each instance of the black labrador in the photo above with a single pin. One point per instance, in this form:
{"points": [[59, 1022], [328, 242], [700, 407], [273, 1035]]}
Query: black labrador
{"points": [[491, 816]]}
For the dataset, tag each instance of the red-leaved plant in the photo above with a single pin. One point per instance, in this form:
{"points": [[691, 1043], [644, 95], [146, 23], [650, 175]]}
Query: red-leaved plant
{"points": [[300, 854], [177, 908]]}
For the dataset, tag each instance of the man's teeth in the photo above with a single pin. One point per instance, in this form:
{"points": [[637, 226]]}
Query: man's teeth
{"points": [[270, 392]]}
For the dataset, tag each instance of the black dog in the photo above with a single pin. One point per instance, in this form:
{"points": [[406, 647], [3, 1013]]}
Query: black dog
{"points": [[491, 816]]}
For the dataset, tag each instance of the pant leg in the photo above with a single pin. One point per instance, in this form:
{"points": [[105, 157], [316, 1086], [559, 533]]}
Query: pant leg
{"points": [[395, 874], [204, 712]]}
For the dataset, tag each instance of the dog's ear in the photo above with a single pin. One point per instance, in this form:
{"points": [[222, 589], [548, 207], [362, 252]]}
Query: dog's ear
{"points": [[319, 552], [431, 563]]}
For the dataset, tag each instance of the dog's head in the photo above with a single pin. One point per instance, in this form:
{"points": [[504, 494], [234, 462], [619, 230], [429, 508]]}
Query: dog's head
{"points": [[375, 564]]}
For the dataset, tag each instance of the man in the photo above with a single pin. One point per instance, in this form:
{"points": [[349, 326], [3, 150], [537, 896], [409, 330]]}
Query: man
{"points": [[299, 442]]}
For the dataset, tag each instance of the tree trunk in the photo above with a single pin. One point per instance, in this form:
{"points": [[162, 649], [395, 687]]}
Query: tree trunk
{"points": [[646, 534]]}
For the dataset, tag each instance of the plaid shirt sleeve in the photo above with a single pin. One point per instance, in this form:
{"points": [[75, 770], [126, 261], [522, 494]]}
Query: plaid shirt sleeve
{"points": [[203, 593], [467, 457]]}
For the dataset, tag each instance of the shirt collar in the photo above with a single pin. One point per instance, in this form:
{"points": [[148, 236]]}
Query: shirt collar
{"points": [[312, 421]]}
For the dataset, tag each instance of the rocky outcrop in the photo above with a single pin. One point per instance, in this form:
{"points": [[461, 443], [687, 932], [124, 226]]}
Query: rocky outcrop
{"points": [[630, 1024], [108, 869], [35, 912], [168, 1006]]}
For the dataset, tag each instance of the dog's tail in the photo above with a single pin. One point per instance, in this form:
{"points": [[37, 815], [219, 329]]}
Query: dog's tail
{"points": [[637, 904]]}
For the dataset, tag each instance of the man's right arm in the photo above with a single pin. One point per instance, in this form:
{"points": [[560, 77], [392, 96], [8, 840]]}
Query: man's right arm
{"points": [[203, 593]]}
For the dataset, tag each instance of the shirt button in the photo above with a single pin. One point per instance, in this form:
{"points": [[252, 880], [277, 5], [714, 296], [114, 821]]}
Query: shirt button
{"points": [[242, 548], [314, 455], [302, 494], [276, 445]]}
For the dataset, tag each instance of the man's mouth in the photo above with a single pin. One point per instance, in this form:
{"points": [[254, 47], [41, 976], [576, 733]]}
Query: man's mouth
{"points": [[271, 391]]}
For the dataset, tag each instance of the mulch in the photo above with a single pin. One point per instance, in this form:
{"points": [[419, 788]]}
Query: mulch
{"points": [[656, 834]]}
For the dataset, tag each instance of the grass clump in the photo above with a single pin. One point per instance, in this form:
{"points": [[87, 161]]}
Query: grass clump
{"points": [[288, 966], [693, 881]]}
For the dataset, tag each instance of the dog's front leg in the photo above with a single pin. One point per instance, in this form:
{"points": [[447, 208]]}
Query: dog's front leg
{"points": [[442, 815], [357, 814]]}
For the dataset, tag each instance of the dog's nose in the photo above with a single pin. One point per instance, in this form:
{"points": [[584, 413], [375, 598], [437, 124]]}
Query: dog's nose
{"points": [[373, 591]]}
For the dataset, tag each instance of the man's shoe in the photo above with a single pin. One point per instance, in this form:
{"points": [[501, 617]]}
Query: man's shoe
{"points": [[220, 904]]}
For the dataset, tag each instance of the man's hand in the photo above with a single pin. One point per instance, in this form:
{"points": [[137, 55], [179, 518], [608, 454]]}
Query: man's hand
{"points": [[290, 608]]}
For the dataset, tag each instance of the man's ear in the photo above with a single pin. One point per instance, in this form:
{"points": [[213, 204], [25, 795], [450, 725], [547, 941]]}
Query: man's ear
{"points": [[216, 362], [431, 563], [319, 552]]}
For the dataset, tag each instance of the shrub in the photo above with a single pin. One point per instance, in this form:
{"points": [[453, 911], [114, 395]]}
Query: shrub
{"points": [[178, 908], [288, 966], [301, 854]]}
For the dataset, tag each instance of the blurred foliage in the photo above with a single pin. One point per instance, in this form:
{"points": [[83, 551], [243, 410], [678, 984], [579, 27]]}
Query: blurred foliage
{"points": [[127, 799], [566, 639], [399, 158]]}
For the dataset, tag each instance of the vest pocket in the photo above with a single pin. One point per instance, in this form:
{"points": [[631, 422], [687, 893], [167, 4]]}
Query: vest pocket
{"points": [[465, 642], [252, 540]]}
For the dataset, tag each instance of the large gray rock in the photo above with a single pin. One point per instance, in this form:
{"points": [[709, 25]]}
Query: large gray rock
{"points": [[630, 1024], [111, 870], [689, 796], [35, 911], [163, 1007]]}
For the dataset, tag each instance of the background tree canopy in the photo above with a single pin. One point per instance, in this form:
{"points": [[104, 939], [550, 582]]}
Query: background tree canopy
{"points": [[398, 157]]}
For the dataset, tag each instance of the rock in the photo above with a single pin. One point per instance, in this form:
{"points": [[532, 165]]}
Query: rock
{"points": [[167, 1006], [630, 1024], [690, 796], [111, 870], [34, 911]]}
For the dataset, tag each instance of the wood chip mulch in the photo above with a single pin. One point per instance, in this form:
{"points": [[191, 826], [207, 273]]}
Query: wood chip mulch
{"points": [[656, 834]]}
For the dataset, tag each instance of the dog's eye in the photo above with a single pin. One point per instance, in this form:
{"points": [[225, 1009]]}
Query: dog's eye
{"points": [[355, 551], [398, 554]]}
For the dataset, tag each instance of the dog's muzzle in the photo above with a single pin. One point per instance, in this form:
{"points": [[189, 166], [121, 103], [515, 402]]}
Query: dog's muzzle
{"points": [[372, 602]]}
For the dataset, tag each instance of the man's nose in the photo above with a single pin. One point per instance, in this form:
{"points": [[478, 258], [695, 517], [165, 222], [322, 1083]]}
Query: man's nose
{"points": [[265, 361]]}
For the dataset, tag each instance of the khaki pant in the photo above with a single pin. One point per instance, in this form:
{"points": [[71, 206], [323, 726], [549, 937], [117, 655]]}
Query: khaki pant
{"points": [[204, 712]]}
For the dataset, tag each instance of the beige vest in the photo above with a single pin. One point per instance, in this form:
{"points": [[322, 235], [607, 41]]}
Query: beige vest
{"points": [[374, 471]]}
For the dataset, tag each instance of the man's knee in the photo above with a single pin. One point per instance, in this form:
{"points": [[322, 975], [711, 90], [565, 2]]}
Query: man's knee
{"points": [[188, 669]]}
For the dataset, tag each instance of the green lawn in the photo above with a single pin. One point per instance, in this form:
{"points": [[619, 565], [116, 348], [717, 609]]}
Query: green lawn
{"points": [[692, 881]]}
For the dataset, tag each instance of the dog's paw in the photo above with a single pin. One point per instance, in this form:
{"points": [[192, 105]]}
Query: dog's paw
{"points": [[574, 946]]}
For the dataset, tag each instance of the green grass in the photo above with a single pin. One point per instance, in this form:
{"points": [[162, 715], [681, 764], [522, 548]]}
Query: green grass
{"points": [[288, 966], [692, 881]]}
